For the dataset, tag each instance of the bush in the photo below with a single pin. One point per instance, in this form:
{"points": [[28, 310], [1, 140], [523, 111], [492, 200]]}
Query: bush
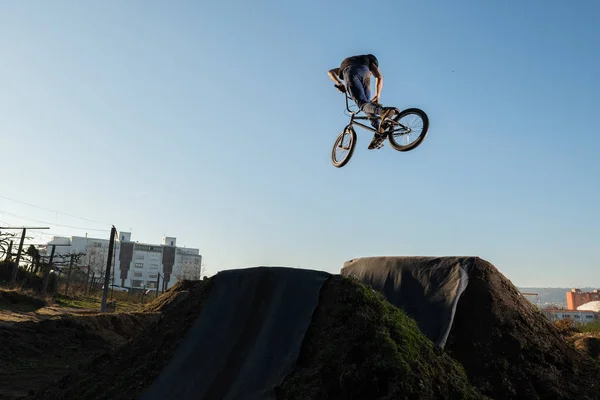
{"points": [[565, 326], [26, 279], [590, 327]]}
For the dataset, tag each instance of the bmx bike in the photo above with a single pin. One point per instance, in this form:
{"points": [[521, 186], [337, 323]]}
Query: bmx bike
{"points": [[398, 129]]}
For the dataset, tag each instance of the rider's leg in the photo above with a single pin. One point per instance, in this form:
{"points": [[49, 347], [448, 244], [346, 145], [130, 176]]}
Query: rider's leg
{"points": [[357, 82], [354, 77], [367, 89]]}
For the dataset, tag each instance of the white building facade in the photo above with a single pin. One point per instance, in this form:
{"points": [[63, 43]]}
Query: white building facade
{"points": [[573, 315], [135, 265]]}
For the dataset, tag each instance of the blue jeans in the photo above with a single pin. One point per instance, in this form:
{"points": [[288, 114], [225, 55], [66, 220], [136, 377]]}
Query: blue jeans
{"points": [[357, 80]]}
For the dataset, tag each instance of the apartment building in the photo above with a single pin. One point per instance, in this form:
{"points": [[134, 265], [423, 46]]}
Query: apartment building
{"points": [[576, 298], [136, 265]]}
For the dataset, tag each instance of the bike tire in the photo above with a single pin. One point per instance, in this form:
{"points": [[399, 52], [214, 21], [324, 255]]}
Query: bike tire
{"points": [[352, 145], [407, 147]]}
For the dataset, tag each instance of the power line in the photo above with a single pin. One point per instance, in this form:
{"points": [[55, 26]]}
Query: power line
{"points": [[52, 223], [54, 211]]}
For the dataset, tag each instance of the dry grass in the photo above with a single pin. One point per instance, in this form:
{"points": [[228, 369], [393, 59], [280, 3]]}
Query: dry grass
{"points": [[27, 305]]}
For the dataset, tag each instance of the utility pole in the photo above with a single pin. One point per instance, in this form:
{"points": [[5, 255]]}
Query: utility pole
{"points": [[113, 232], [113, 273]]}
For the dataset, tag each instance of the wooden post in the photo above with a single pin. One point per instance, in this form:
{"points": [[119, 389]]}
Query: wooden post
{"points": [[47, 271], [87, 278], [69, 274], [13, 278], [92, 280], [9, 252], [157, 283], [111, 244]]}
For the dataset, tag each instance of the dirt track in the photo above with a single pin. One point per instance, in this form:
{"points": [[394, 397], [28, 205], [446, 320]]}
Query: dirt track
{"points": [[506, 346], [35, 353]]}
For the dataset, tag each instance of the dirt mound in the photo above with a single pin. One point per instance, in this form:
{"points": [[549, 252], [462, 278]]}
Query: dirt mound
{"points": [[171, 298], [34, 354], [124, 373], [358, 346], [15, 301], [589, 345], [509, 349]]}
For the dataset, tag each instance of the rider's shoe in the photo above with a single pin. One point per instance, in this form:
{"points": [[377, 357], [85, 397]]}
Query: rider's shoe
{"points": [[377, 141], [387, 112]]}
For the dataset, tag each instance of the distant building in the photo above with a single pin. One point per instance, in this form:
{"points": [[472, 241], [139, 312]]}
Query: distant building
{"points": [[573, 315], [576, 297], [591, 306], [140, 263], [136, 265]]}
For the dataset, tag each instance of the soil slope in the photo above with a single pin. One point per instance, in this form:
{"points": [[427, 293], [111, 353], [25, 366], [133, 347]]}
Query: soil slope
{"points": [[358, 347], [510, 350], [35, 353]]}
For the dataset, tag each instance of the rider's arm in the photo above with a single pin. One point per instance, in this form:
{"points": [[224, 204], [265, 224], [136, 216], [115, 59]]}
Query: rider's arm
{"points": [[333, 75], [378, 80]]}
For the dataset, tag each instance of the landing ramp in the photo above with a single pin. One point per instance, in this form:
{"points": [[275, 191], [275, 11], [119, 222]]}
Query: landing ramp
{"points": [[426, 288]]}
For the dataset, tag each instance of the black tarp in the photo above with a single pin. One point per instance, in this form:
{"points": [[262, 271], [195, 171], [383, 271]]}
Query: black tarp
{"points": [[247, 337], [426, 288]]}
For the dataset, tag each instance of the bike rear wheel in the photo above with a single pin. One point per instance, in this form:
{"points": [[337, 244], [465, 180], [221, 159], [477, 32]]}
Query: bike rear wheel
{"points": [[344, 145], [411, 123]]}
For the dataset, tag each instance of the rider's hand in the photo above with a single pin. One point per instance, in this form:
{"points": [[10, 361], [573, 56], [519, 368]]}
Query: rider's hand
{"points": [[341, 87], [375, 100]]}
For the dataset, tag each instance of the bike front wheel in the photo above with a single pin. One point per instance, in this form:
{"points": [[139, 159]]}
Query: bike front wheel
{"points": [[343, 148], [408, 130]]}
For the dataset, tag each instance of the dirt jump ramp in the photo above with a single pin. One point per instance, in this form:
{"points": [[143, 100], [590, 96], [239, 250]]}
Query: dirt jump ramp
{"points": [[464, 304], [246, 338], [426, 288]]}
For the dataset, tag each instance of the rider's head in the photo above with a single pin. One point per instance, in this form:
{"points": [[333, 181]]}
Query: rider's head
{"points": [[373, 60]]}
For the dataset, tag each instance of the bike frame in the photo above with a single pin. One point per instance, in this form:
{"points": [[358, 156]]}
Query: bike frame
{"points": [[354, 117]]}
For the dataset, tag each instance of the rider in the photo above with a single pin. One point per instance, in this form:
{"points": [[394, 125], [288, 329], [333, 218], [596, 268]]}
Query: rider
{"points": [[356, 71]]}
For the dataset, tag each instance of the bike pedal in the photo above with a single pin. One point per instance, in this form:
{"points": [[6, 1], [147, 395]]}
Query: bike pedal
{"points": [[377, 145]]}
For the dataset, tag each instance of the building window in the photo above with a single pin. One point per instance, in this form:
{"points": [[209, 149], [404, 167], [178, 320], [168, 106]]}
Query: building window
{"points": [[137, 274], [589, 316], [153, 276], [139, 265], [137, 282]]}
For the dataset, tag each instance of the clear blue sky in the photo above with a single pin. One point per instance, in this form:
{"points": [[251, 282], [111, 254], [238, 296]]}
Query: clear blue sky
{"points": [[214, 121]]}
